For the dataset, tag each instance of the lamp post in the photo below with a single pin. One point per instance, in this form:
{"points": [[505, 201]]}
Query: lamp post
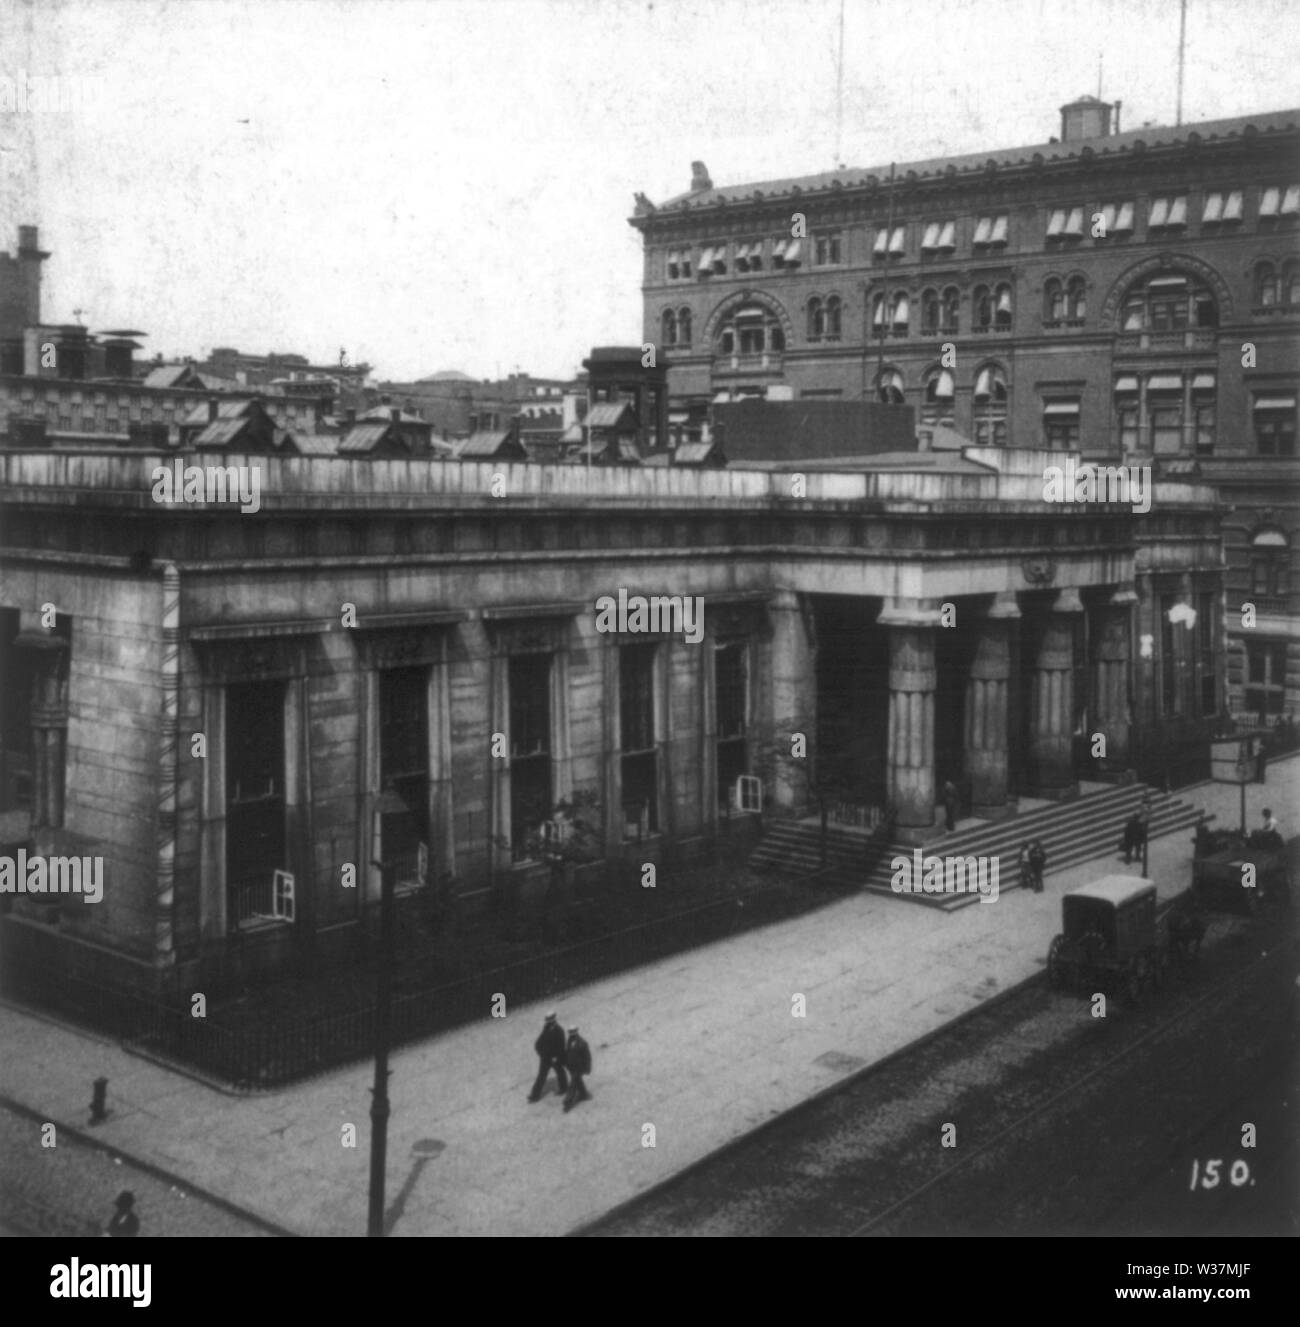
{"points": [[387, 803]]}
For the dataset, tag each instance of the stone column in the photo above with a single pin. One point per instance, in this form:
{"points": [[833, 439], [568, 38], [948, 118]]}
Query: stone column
{"points": [[986, 711], [1111, 702], [1051, 735], [912, 683], [793, 701]]}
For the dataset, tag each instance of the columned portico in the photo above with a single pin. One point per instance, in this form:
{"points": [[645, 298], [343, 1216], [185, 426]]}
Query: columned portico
{"points": [[1051, 733], [986, 710], [913, 679]]}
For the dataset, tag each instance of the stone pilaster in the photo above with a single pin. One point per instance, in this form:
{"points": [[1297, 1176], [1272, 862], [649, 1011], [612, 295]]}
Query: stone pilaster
{"points": [[986, 711], [793, 699], [1111, 667], [1051, 683]]}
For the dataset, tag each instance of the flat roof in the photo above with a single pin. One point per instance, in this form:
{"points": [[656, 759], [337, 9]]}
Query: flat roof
{"points": [[1114, 888]]}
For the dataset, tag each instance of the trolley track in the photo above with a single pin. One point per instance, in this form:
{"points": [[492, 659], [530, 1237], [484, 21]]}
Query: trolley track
{"points": [[1020, 1082]]}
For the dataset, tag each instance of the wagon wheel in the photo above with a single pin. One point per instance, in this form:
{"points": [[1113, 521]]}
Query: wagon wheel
{"points": [[1056, 963], [1091, 947]]}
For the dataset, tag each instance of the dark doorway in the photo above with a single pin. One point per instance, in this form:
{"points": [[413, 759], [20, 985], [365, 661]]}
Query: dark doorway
{"points": [[852, 699]]}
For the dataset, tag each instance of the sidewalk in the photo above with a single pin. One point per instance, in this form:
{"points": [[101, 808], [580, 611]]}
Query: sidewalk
{"points": [[703, 1046]]}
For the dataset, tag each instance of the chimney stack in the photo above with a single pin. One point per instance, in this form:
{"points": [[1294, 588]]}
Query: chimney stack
{"points": [[1085, 118], [700, 177]]}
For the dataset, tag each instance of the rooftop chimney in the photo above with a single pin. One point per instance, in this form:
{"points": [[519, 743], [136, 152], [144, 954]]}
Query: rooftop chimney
{"points": [[700, 177], [1085, 118]]}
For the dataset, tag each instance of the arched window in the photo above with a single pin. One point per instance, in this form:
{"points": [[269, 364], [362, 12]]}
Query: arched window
{"points": [[939, 391], [1002, 308], [683, 327], [833, 317], [669, 324], [929, 312], [899, 314], [889, 387], [948, 312], [816, 319], [1270, 564], [989, 403], [1265, 285], [1168, 302], [981, 309], [1076, 299], [1291, 282], [750, 329], [1054, 301]]}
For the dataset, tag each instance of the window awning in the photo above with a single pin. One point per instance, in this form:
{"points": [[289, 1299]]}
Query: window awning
{"points": [[1159, 212], [778, 249], [882, 241], [1126, 384], [1275, 402], [1269, 539], [930, 240], [1124, 221], [722, 398], [1167, 283], [1204, 382], [1074, 223], [750, 311], [1213, 208], [742, 253], [999, 235], [948, 235], [1178, 211], [897, 241], [1058, 408], [1057, 222], [706, 259], [1165, 382], [1268, 203], [878, 311], [1232, 206], [943, 385], [902, 310], [1291, 200], [1004, 300], [792, 251], [891, 378], [983, 229]]}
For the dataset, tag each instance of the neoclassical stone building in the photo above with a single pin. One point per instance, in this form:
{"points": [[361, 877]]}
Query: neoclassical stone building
{"points": [[400, 661], [1134, 295]]}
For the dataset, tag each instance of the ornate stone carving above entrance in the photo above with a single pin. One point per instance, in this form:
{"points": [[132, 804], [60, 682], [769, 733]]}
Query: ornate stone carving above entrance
{"points": [[1038, 570]]}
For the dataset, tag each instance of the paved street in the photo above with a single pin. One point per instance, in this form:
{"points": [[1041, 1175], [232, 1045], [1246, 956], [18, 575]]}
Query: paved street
{"points": [[702, 1046]]}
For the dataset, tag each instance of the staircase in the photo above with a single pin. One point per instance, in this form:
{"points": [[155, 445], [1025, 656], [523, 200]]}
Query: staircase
{"points": [[1072, 832]]}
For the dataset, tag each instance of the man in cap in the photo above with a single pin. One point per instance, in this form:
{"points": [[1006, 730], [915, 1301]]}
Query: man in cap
{"points": [[124, 1221], [550, 1051], [577, 1055]]}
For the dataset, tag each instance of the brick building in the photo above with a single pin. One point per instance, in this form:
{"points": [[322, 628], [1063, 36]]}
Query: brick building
{"points": [[1133, 294]]}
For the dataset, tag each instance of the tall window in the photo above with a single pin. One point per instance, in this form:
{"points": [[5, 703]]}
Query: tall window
{"points": [[668, 327], [929, 312], [899, 314], [989, 400], [17, 683], [529, 682], [816, 319], [1168, 303], [981, 309], [750, 330], [1054, 301], [948, 310], [1168, 213], [1165, 413], [1270, 564], [833, 317], [1204, 412], [939, 392], [1076, 300], [1127, 415], [636, 664], [1265, 692], [404, 764], [889, 387], [1275, 418], [731, 685], [683, 327], [1061, 423], [255, 837], [1265, 285], [826, 250]]}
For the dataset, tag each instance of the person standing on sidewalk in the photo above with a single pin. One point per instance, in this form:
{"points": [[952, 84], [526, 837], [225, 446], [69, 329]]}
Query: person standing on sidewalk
{"points": [[1033, 861], [577, 1055], [124, 1221], [951, 804], [550, 1052]]}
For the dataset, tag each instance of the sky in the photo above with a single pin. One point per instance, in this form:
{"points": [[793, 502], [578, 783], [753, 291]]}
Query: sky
{"points": [[437, 184]]}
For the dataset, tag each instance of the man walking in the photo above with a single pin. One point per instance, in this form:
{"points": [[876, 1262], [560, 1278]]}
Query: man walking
{"points": [[577, 1055], [550, 1052], [124, 1223]]}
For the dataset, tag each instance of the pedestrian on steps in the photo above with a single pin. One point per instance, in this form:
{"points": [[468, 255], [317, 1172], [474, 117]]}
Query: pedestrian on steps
{"points": [[951, 804]]}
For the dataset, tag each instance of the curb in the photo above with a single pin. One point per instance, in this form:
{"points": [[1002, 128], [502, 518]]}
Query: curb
{"points": [[587, 1227], [157, 1172]]}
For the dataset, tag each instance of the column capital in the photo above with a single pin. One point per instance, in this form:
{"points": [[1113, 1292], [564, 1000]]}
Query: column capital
{"points": [[911, 613], [1123, 597], [1004, 607], [1067, 601]]}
